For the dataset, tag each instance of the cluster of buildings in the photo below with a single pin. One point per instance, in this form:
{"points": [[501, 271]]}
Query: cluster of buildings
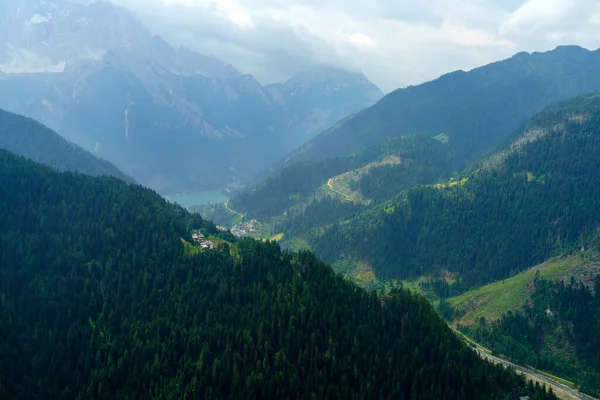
{"points": [[246, 228], [199, 239]]}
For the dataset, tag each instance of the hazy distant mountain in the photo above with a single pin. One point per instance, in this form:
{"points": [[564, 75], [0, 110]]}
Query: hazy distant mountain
{"points": [[478, 110], [321, 97], [62, 35], [30, 139], [96, 75]]}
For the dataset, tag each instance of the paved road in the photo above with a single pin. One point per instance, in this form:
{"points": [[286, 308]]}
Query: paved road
{"points": [[524, 370], [536, 375], [230, 210]]}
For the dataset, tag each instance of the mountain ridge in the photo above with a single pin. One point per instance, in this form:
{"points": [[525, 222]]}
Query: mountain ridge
{"points": [[526, 83], [29, 138]]}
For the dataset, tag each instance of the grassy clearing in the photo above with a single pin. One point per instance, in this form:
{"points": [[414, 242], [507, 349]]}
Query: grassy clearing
{"points": [[341, 184], [295, 244], [333, 188], [361, 274], [358, 272], [493, 300], [190, 249], [442, 138], [451, 184], [277, 237], [415, 286]]}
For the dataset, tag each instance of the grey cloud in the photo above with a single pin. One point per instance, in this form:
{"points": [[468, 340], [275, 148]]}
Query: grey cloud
{"points": [[395, 43]]}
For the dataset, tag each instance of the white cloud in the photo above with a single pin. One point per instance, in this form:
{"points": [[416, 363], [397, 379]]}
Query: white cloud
{"points": [[536, 14], [39, 19], [394, 42], [361, 40]]}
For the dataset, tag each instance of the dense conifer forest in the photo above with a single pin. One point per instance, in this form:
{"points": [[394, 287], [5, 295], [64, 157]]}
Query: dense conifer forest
{"points": [[290, 186], [517, 209], [100, 300]]}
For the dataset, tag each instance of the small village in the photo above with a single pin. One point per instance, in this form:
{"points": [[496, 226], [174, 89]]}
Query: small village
{"points": [[201, 240], [247, 228]]}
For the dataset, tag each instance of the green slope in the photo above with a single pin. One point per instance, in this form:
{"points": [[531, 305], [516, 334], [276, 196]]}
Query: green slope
{"points": [[532, 201], [496, 299], [100, 299], [370, 177], [547, 317], [458, 119], [28, 138]]}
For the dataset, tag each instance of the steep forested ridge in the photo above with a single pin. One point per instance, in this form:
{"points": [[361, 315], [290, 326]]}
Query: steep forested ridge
{"points": [[99, 300], [26, 137], [290, 186], [419, 159], [522, 205], [479, 110]]}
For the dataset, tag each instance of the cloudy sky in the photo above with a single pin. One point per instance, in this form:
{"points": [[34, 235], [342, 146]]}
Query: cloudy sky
{"points": [[395, 43]]}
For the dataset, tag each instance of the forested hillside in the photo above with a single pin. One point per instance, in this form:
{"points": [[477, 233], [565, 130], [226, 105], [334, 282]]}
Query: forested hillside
{"points": [[100, 300], [26, 137], [417, 159], [433, 131], [290, 187], [524, 204]]}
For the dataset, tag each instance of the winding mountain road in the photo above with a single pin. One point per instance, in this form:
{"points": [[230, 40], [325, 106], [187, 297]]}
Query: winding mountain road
{"points": [[334, 190], [232, 211]]}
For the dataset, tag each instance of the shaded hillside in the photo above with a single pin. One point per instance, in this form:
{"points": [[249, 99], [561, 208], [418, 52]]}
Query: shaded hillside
{"points": [[478, 110], [376, 174], [524, 204], [28, 138], [99, 300]]}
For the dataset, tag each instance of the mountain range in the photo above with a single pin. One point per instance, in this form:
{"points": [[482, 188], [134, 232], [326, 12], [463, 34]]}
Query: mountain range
{"points": [[356, 191], [516, 209], [96, 75], [477, 110]]}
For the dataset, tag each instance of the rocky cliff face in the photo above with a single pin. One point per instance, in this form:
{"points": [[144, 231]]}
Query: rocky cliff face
{"points": [[96, 75], [62, 35]]}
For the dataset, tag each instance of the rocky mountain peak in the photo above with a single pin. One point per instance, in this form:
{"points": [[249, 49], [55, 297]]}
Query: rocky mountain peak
{"points": [[62, 35], [327, 81]]}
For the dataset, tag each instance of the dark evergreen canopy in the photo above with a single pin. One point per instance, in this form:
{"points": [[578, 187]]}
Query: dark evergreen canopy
{"points": [[99, 300]]}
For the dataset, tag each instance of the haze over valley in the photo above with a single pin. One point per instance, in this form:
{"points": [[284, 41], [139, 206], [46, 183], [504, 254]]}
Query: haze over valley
{"points": [[94, 73]]}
